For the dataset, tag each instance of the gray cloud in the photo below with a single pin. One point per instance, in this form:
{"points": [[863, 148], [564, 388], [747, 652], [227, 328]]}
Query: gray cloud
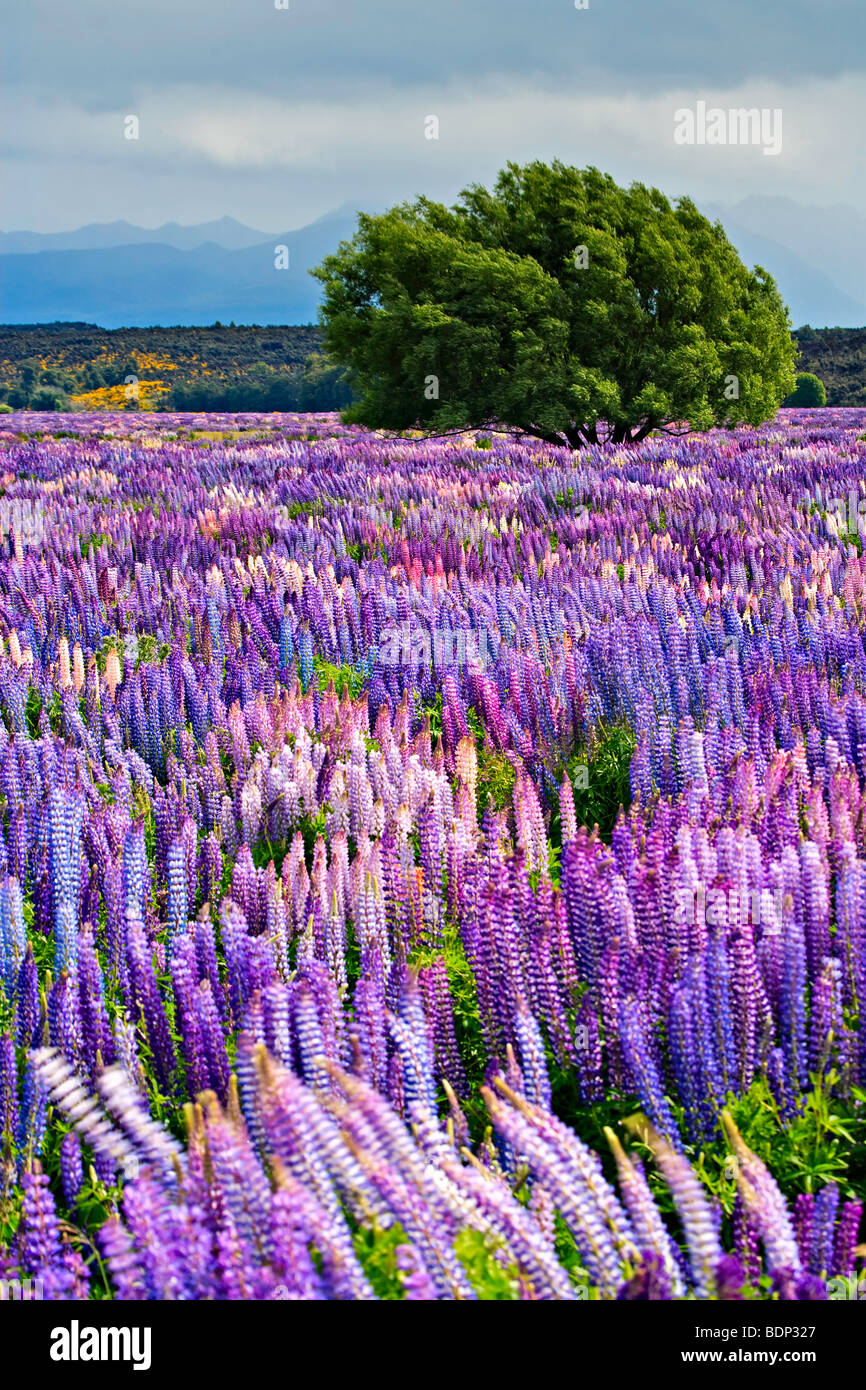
{"points": [[102, 52], [274, 116]]}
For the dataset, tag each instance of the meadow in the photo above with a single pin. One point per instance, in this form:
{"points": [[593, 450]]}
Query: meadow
{"points": [[431, 869]]}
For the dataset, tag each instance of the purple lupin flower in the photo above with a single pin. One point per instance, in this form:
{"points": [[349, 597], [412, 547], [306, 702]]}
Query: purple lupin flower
{"points": [[642, 1068], [97, 1041], [411, 1035], [63, 1026], [146, 1001], [212, 1040], [28, 1016], [557, 1158], [804, 1208], [821, 1251], [8, 1088], [588, 1053], [13, 942], [650, 1280], [417, 1284], [650, 1230], [745, 1235], [369, 1016], [433, 980], [292, 1265], [38, 1241], [33, 1118], [533, 1064], [178, 892], [846, 1239], [730, 1278], [71, 1168], [123, 1260], [64, 822], [765, 1204], [694, 1210]]}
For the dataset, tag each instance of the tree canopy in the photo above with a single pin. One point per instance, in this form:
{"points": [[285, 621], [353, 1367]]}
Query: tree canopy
{"points": [[558, 304]]}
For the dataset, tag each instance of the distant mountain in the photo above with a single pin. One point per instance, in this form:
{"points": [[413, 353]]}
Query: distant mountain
{"points": [[814, 254], [101, 236], [137, 284]]}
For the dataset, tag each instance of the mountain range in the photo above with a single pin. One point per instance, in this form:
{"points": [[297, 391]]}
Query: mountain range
{"points": [[119, 275]]}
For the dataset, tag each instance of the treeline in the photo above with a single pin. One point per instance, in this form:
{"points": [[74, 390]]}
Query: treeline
{"points": [[222, 367], [320, 385], [222, 346], [30, 385]]}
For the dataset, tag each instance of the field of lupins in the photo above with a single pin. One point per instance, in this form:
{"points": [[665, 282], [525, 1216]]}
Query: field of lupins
{"points": [[431, 869]]}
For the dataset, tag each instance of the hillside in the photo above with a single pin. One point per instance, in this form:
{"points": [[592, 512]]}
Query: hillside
{"points": [[82, 367], [838, 357]]}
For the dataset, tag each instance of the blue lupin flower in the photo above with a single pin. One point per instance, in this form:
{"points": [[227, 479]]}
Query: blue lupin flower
{"points": [[178, 902], [287, 645], [305, 658], [64, 835], [13, 941]]}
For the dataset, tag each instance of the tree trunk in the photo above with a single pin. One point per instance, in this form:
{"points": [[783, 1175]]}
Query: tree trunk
{"points": [[646, 428], [557, 440], [581, 434]]}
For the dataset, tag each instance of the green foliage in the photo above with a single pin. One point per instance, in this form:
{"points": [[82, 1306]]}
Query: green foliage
{"points": [[345, 678], [150, 651], [324, 385], [467, 1020], [599, 777], [809, 391], [496, 774], [49, 398], [376, 1249], [95, 539], [495, 779], [492, 1281], [319, 385], [824, 1142], [481, 313]]}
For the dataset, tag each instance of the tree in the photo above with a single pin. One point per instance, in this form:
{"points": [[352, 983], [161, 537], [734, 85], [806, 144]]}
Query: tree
{"points": [[559, 304], [323, 385], [48, 398], [809, 391]]}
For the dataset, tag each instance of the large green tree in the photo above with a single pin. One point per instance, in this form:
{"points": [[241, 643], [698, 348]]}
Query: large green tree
{"points": [[558, 304]]}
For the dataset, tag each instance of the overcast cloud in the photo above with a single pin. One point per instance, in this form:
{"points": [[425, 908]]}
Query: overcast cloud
{"points": [[276, 116]]}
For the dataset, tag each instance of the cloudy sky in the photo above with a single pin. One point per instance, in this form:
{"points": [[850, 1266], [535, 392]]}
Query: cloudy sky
{"points": [[275, 116]]}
